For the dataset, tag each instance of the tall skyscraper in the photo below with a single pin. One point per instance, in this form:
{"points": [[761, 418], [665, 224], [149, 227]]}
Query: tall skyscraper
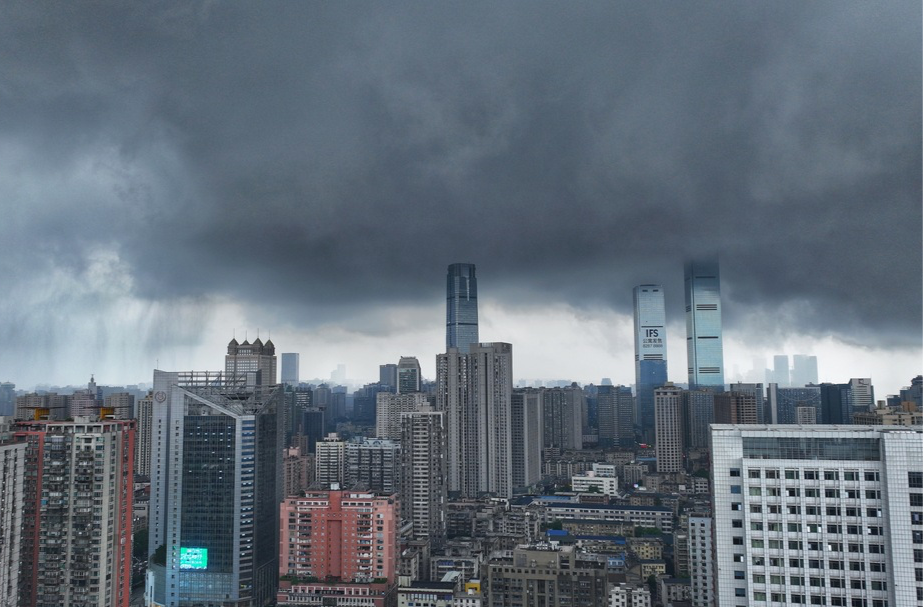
{"points": [[461, 307], [650, 352], [290, 370], [76, 543], [408, 375], [804, 370], [668, 416], [475, 391], [258, 358], [423, 473], [861, 396], [704, 350], [216, 485], [818, 515]]}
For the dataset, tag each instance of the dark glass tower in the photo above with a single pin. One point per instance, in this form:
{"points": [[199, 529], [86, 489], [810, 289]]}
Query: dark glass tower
{"points": [[650, 352], [704, 349], [461, 307]]}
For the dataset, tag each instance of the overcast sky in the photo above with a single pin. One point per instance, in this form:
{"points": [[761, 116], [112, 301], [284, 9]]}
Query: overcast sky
{"points": [[173, 173]]}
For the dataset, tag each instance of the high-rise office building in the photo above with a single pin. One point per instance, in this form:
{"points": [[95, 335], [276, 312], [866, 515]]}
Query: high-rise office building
{"points": [[7, 399], [461, 308], [818, 515], [76, 542], [389, 408], [256, 358], [216, 485], [387, 375], [784, 402], [834, 404], [423, 473], [804, 370], [144, 417], [704, 349], [615, 416], [373, 462], [290, 368], [408, 375], [12, 502], [650, 352], [339, 547], [475, 392], [668, 418]]}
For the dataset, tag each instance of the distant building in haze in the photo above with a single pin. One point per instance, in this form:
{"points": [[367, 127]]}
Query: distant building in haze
{"points": [[290, 368], [7, 399], [650, 352], [387, 375], [461, 315], [804, 370], [704, 349]]}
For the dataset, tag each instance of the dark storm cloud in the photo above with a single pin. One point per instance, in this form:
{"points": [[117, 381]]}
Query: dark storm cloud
{"points": [[328, 156]]}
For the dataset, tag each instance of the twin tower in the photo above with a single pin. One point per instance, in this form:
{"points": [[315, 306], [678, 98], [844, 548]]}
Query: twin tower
{"points": [[704, 348]]}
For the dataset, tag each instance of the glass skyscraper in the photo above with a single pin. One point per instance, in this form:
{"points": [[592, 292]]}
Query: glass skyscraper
{"points": [[650, 352], [704, 350], [461, 307]]}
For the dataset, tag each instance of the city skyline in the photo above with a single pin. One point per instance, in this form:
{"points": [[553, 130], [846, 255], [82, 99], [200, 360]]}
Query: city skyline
{"points": [[310, 171]]}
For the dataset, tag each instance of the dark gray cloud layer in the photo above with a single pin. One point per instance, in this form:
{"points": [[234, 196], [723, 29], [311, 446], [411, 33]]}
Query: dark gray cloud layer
{"points": [[325, 156]]}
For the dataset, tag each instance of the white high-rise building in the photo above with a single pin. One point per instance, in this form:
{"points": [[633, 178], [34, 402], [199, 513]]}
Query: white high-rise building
{"points": [[861, 395], [818, 515], [475, 392], [330, 460], [804, 370]]}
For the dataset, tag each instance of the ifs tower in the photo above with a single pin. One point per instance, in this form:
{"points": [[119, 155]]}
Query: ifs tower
{"points": [[704, 349]]}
